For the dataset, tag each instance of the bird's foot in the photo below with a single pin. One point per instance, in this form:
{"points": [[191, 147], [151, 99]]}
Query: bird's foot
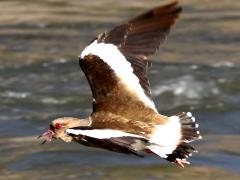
{"points": [[181, 162]]}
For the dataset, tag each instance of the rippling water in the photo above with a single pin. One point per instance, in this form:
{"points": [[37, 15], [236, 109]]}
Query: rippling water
{"points": [[50, 84]]}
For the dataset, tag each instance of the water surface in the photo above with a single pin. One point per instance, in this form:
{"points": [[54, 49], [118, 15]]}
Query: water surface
{"points": [[197, 70]]}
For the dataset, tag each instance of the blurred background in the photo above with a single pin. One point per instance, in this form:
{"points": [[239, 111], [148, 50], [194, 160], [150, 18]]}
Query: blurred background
{"points": [[196, 70]]}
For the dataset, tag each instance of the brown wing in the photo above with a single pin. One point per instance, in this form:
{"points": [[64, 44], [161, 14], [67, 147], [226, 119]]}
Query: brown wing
{"points": [[114, 105], [140, 38], [137, 40], [109, 92], [126, 145]]}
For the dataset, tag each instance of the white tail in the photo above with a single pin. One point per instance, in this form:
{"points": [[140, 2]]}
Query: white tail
{"points": [[170, 141]]}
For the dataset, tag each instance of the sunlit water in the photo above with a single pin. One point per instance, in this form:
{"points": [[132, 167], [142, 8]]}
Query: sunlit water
{"points": [[40, 80], [32, 95]]}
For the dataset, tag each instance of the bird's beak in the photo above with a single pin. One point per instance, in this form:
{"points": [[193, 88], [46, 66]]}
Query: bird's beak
{"points": [[48, 135]]}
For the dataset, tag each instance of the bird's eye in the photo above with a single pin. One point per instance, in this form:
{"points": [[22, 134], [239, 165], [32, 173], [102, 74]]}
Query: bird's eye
{"points": [[58, 126]]}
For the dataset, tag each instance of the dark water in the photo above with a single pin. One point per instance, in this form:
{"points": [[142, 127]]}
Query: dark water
{"points": [[33, 94], [40, 80]]}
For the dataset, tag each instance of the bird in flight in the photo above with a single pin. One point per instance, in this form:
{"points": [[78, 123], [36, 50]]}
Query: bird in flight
{"points": [[124, 117]]}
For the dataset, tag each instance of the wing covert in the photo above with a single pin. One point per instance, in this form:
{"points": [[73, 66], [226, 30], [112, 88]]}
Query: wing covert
{"points": [[140, 38], [116, 62]]}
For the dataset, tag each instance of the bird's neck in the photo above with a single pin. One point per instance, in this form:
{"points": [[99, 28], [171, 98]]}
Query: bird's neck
{"points": [[76, 122]]}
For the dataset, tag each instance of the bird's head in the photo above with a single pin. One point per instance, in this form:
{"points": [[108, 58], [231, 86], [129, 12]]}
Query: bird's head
{"points": [[59, 126]]}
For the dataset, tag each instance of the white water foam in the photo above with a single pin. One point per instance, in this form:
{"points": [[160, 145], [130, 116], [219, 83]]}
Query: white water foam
{"points": [[188, 87], [17, 95]]}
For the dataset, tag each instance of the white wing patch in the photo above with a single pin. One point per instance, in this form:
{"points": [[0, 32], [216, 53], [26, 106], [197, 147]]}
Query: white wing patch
{"points": [[159, 150], [166, 137], [101, 133], [110, 54]]}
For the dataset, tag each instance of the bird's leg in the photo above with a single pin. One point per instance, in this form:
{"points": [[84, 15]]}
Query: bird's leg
{"points": [[181, 162]]}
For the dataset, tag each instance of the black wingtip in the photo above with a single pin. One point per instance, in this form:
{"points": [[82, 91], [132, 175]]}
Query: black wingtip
{"points": [[167, 9], [189, 128], [190, 132]]}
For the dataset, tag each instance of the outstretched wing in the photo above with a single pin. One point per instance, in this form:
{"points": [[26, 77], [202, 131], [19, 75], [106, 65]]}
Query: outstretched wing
{"points": [[140, 38], [112, 140], [116, 62]]}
